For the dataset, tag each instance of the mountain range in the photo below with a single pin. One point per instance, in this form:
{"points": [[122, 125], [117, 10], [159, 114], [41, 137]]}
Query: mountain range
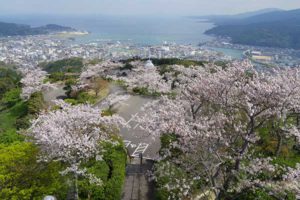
{"points": [[271, 28]]}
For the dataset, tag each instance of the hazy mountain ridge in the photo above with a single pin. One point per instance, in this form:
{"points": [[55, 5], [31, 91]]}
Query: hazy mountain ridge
{"points": [[220, 19], [269, 17], [272, 29], [12, 29]]}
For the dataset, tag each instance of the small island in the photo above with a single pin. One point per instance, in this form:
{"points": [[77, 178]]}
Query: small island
{"points": [[12, 29]]}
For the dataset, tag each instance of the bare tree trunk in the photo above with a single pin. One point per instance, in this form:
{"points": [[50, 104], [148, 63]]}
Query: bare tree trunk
{"points": [[279, 144], [236, 167], [76, 197], [73, 191]]}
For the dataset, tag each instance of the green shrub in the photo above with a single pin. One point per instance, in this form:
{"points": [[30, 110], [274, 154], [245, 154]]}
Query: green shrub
{"points": [[22, 177], [71, 65], [81, 97], [10, 136], [108, 112], [176, 61], [9, 79], [11, 97], [111, 171], [167, 139], [8, 117], [84, 97], [36, 103], [62, 76], [117, 157], [71, 101], [23, 122], [56, 76], [144, 91]]}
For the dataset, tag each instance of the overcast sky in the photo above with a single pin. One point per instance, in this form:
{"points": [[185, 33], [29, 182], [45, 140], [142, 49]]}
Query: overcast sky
{"points": [[137, 7]]}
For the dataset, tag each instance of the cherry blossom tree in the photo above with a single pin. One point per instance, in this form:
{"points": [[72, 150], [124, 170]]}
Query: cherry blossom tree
{"points": [[32, 81], [139, 76], [100, 70], [148, 78], [144, 77], [73, 135], [277, 179], [217, 115]]}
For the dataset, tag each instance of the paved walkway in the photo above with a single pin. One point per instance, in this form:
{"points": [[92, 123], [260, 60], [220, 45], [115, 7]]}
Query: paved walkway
{"points": [[135, 138], [136, 185]]}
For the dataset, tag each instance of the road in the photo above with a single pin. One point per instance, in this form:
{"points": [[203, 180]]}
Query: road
{"points": [[52, 94], [136, 140]]}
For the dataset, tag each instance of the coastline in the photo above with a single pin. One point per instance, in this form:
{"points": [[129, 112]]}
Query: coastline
{"points": [[71, 33]]}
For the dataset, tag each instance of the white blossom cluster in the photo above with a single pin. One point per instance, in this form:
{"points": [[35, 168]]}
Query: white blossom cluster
{"points": [[73, 134], [32, 81], [74, 169], [144, 77], [99, 70], [178, 187], [282, 178], [217, 114]]}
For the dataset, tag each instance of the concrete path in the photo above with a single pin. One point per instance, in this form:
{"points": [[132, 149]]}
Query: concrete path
{"points": [[135, 139], [136, 186], [54, 93]]}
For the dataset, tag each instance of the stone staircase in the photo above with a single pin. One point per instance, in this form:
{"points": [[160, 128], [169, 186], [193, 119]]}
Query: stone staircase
{"points": [[136, 186]]}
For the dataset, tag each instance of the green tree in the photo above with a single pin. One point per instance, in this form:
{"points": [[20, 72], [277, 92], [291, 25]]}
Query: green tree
{"points": [[11, 97], [22, 177], [9, 79]]}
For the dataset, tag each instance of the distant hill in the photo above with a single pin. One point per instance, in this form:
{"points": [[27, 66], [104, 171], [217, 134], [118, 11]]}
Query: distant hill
{"points": [[272, 29], [12, 29], [274, 16], [255, 13], [222, 19], [71, 65]]}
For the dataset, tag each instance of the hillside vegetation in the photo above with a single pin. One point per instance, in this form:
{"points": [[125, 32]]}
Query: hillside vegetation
{"points": [[274, 29], [12, 29]]}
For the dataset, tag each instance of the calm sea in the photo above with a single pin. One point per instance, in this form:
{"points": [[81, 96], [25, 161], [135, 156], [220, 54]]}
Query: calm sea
{"points": [[138, 30]]}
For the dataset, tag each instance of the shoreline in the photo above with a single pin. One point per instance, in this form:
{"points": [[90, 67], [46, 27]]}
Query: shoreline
{"points": [[71, 33]]}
